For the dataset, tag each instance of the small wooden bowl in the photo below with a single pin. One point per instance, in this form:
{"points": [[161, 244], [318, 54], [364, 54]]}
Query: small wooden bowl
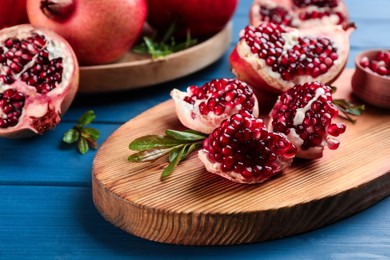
{"points": [[369, 86]]}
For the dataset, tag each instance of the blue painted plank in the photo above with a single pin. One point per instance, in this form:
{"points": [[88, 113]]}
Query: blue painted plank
{"points": [[62, 222], [45, 160]]}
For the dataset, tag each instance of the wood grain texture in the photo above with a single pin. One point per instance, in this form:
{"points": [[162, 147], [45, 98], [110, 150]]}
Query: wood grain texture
{"points": [[193, 207], [136, 71]]}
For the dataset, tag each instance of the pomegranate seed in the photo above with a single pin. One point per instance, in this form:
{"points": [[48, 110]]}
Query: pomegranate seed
{"points": [[382, 70]]}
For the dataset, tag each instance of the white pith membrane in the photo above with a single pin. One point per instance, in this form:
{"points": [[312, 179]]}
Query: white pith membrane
{"points": [[295, 12], [41, 103], [190, 116], [338, 36], [312, 152]]}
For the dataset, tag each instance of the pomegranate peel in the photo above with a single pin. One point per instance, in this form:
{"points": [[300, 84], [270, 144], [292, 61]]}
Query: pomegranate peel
{"points": [[204, 108], [98, 31], [38, 80], [274, 57]]}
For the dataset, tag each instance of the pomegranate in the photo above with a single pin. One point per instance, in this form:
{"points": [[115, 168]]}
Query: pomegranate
{"points": [[379, 65], [304, 114], [274, 57], [299, 13], [204, 108], [38, 80], [203, 18], [242, 150], [99, 31], [12, 12]]}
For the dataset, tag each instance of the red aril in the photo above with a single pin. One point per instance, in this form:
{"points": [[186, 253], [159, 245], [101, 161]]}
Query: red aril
{"points": [[12, 12], [304, 114], [38, 80], [99, 31], [202, 18], [379, 65], [274, 58], [299, 13], [242, 150], [204, 108]]}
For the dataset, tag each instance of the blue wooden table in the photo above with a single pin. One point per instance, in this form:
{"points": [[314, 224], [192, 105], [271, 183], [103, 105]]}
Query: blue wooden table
{"points": [[46, 208]]}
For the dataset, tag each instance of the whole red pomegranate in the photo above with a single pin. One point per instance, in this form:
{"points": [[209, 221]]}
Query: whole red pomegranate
{"points": [[204, 108], [275, 57], [12, 12], [242, 150], [299, 13], [202, 18], [38, 80], [100, 31], [304, 113]]}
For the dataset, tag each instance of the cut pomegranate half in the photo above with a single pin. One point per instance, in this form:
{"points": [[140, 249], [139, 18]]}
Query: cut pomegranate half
{"points": [[242, 150], [38, 80], [204, 108], [274, 57]]}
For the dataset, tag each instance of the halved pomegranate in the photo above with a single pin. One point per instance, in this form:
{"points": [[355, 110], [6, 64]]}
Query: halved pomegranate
{"points": [[299, 13], [204, 108], [304, 114], [38, 80], [242, 150], [274, 57]]}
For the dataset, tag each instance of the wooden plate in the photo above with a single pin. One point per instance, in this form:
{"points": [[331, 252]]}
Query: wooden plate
{"points": [[194, 207], [136, 71]]}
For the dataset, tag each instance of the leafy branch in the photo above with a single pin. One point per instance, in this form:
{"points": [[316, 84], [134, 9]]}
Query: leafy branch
{"points": [[85, 137], [166, 46], [347, 108], [176, 145]]}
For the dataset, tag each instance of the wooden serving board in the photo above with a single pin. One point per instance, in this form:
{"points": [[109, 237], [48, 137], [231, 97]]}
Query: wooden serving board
{"points": [[194, 207]]}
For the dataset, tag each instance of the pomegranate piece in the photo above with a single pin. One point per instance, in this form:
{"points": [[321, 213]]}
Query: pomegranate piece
{"points": [[274, 57], [299, 13], [304, 114], [204, 108], [99, 31], [38, 80], [242, 150], [380, 65]]}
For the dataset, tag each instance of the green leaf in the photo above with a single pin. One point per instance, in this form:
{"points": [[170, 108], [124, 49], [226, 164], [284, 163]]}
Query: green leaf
{"points": [[347, 108], [71, 136], [90, 133], [172, 165], [174, 153], [82, 145], [86, 118], [153, 141], [185, 135], [149, 155], [192, 147], [168, 34]]}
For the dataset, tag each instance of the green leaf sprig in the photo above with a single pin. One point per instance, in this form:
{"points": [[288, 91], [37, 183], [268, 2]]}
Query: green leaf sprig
{"points": [[85, 137], [167, 45], [177, 145], [347, 108]]}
